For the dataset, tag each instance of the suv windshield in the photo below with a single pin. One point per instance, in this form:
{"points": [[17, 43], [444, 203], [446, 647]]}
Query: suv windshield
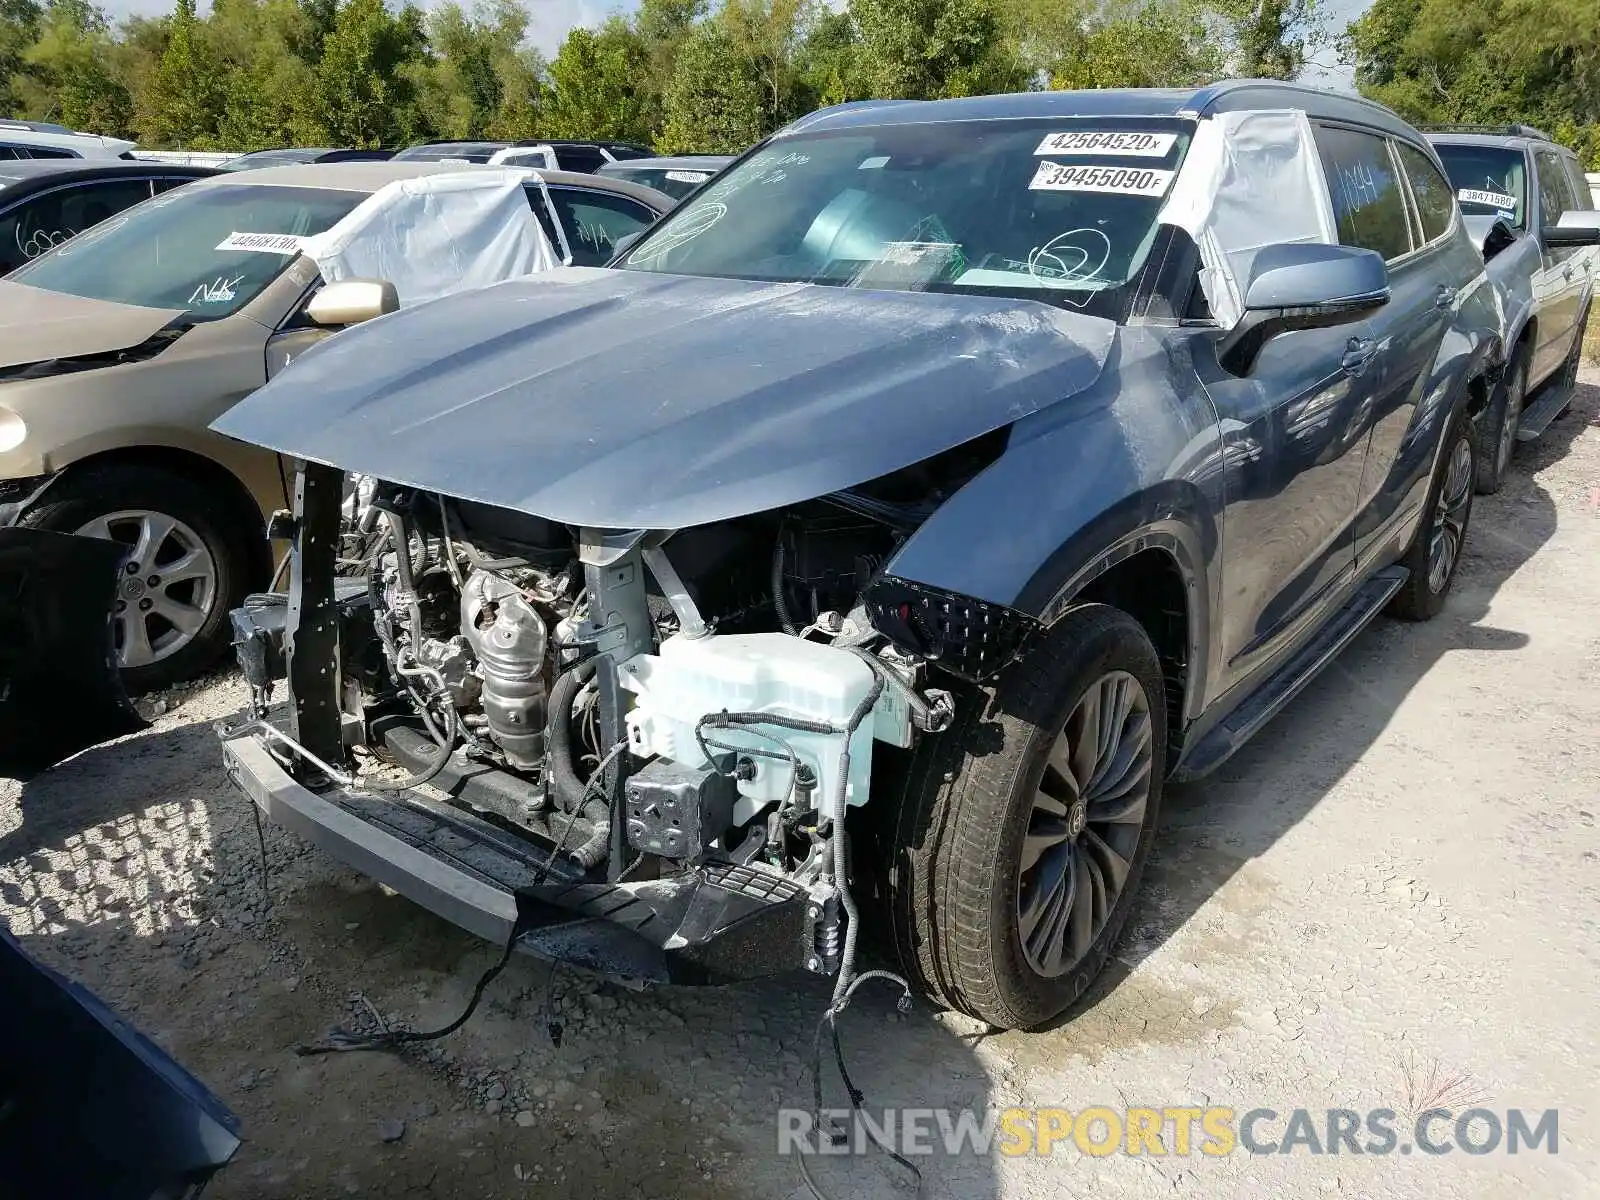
{"points": [[1052, 210], [1489, 180], [208, 248]]}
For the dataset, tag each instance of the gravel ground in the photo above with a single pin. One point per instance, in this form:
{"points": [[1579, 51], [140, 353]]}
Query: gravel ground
{"points": [[1396, 881]]}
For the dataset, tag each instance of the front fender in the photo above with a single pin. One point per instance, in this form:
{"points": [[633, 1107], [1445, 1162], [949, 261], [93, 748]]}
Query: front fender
{"points": [[1133, 464]]}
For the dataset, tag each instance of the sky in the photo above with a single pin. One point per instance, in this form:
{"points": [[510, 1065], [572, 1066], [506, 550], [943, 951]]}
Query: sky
{"points": [[552, 19]]}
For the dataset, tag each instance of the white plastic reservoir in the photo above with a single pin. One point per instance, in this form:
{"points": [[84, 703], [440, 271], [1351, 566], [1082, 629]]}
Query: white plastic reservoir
{"points": [[754, 673]]}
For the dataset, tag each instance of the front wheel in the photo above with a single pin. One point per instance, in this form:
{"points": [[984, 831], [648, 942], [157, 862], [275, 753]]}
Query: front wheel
{"points": [[1435, 552], [1023, 830]]}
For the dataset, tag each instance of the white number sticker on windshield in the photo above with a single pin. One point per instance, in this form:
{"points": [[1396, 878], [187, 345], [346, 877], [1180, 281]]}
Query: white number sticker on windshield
{"points": [[688, 176], [1490, 199], [1125, 181], [1092, 141], [265, 243]]}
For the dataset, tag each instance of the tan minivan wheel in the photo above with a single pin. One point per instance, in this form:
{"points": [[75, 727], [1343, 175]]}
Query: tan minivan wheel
{"points": [[183, 568]]}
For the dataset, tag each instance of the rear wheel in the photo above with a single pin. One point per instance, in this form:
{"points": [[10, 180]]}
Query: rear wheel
{"points": [[183, 566], [1435, 552], [1023, 830]]}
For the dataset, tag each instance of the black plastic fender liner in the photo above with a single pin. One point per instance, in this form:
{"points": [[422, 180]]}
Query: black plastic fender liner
{"points": [[60, 690], [91, 1108]]}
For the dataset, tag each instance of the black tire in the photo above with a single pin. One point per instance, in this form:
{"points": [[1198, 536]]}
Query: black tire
{"points": [[955, 865], [83, 498], [1569, 370], [1447, 512], [1497, 445]]}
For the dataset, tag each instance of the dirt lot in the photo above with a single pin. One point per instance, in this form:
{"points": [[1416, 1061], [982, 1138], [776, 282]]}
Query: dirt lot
{"points": [[1398, 880]]}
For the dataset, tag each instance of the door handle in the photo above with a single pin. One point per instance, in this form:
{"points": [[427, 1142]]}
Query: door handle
{"points": [[1358, 352], [1445, 296], [1566, 271]]}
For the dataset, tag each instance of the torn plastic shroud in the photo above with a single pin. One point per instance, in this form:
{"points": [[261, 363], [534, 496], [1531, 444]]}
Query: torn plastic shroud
{"points": [[60, 690]]}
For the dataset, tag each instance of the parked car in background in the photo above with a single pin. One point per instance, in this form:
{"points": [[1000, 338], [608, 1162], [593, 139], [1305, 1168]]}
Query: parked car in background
{"points": [[45, 202], [1528, 203], [549, 155], [289, 155], [1057, 439], [117, 348], [40, 139], [676, 175]]}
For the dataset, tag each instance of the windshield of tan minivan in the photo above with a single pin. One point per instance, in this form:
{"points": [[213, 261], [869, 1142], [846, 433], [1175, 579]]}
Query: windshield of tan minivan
{"points": [[206, 248], [1062, 211]]}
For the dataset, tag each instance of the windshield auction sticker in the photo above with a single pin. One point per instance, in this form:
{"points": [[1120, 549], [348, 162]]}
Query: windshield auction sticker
{"points": [[1491, 199], [688, 176], [264, 243], [1122, 145], [1125, 181]]}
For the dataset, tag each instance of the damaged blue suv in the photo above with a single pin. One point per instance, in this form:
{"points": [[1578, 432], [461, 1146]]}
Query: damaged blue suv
{"points": [[890, 522]]}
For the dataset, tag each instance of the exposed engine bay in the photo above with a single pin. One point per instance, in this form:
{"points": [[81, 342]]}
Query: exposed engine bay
{"points": [[644, 706]]}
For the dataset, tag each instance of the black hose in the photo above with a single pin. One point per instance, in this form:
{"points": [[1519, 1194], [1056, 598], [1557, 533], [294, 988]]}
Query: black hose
{"points": [[780, 604], [593, 852], [569, 792]]}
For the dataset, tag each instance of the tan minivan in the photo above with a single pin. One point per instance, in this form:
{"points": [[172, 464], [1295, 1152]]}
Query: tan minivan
{"points": [[119, 347]]}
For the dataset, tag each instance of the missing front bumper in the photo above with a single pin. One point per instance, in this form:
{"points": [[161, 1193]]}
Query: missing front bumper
{"points": [[718, 922]]}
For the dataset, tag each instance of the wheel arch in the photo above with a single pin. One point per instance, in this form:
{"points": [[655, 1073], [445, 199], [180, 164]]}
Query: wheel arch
{"points": [[1153, 574], [191, 465]]}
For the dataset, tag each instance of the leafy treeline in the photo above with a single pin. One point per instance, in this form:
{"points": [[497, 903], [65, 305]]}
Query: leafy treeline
{"points": [[1488, 61], [715, 75], [678, 74]]}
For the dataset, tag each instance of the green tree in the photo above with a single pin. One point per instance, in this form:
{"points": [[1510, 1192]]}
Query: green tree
{"points": [[1494, 62], [716, 103], [185, 99], [360, 92], [925, 49], [829, 62], [593, 85], [66, 73], [1152, 43]]}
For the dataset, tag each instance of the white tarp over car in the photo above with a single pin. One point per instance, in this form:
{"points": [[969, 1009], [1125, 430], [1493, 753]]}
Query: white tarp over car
{"points": [[437, 234], [1250, 179]]}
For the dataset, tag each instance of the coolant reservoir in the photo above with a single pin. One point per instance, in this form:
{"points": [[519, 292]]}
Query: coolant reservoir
{"points": [[754, 673]]}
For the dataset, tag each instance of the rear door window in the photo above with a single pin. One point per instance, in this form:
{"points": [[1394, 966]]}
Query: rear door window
{"points": [[1436, 204], [1369, 208], [1555, 189]]}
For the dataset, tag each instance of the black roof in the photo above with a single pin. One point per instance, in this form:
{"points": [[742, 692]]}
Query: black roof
{"points": [[1235, 95], [28, 173]]}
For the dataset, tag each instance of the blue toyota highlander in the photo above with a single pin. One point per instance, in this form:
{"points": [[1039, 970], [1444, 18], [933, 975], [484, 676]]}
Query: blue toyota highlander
{"points": [[893, 519]]}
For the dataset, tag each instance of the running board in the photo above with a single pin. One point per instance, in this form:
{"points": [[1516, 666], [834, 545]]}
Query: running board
{"points": [[1219, 745], [1536, 418]]}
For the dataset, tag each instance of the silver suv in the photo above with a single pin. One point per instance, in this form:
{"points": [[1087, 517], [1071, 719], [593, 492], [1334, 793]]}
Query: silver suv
{"points": [[1529, 208]]}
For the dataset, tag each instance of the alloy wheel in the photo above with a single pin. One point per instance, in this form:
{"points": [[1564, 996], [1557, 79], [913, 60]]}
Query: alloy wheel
{"points": [[1088, 814], [167, 584], [1450, 515]]}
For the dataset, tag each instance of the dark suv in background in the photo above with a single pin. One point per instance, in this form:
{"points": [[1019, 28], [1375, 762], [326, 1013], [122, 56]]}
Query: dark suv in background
{"points": [[1517, 187]]}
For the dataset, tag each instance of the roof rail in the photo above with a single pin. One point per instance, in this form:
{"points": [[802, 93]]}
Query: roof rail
{"points": [[1525, 131]]}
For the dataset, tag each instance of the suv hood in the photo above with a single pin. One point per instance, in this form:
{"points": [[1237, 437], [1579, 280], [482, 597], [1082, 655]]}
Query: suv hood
{"points": [[633, 400], [37, 325]]}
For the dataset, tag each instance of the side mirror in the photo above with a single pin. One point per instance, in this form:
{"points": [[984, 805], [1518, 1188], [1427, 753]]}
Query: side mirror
{"points": [[1580, 227], [1296, 285], [351, 301]]}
